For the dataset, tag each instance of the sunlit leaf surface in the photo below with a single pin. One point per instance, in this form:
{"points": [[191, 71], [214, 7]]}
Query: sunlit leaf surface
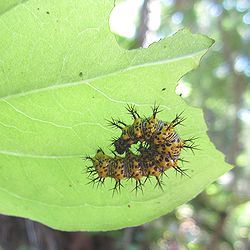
{"points": [[62, 75]]}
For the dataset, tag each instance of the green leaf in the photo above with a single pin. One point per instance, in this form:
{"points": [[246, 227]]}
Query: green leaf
{"points": [[6, 5], [62, 75]]}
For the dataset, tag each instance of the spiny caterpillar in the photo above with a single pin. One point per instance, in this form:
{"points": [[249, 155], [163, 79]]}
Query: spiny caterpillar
{"points": [[150, 130], [159, 150]]}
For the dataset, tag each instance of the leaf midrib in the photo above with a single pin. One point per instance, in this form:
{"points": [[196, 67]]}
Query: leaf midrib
{"points": [[89, 80]]}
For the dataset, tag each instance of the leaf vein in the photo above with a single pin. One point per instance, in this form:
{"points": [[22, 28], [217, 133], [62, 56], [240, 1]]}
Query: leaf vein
{"points": [[99, 77]]}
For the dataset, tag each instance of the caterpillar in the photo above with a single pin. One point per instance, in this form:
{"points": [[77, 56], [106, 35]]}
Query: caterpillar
{"points": [[131, 166], [150, 130], [159, 150]]}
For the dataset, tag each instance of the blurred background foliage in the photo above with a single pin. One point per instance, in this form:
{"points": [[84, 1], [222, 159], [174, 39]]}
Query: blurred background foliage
{"points": [[219, 218]]}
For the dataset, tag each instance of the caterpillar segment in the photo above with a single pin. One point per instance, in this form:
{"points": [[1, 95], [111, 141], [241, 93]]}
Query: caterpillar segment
{"points": [[118, 172], [140, 130], [150, 124], [136, 170], [171, 149], [100, 168], [121, 146]]}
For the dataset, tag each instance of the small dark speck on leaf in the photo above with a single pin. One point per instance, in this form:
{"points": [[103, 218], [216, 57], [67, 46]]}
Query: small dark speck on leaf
{"points": [[47, 12], [128, 206], [38, 8], [163, 89], [80, 74], [180, 94], [93, 97], [70, 185]]}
